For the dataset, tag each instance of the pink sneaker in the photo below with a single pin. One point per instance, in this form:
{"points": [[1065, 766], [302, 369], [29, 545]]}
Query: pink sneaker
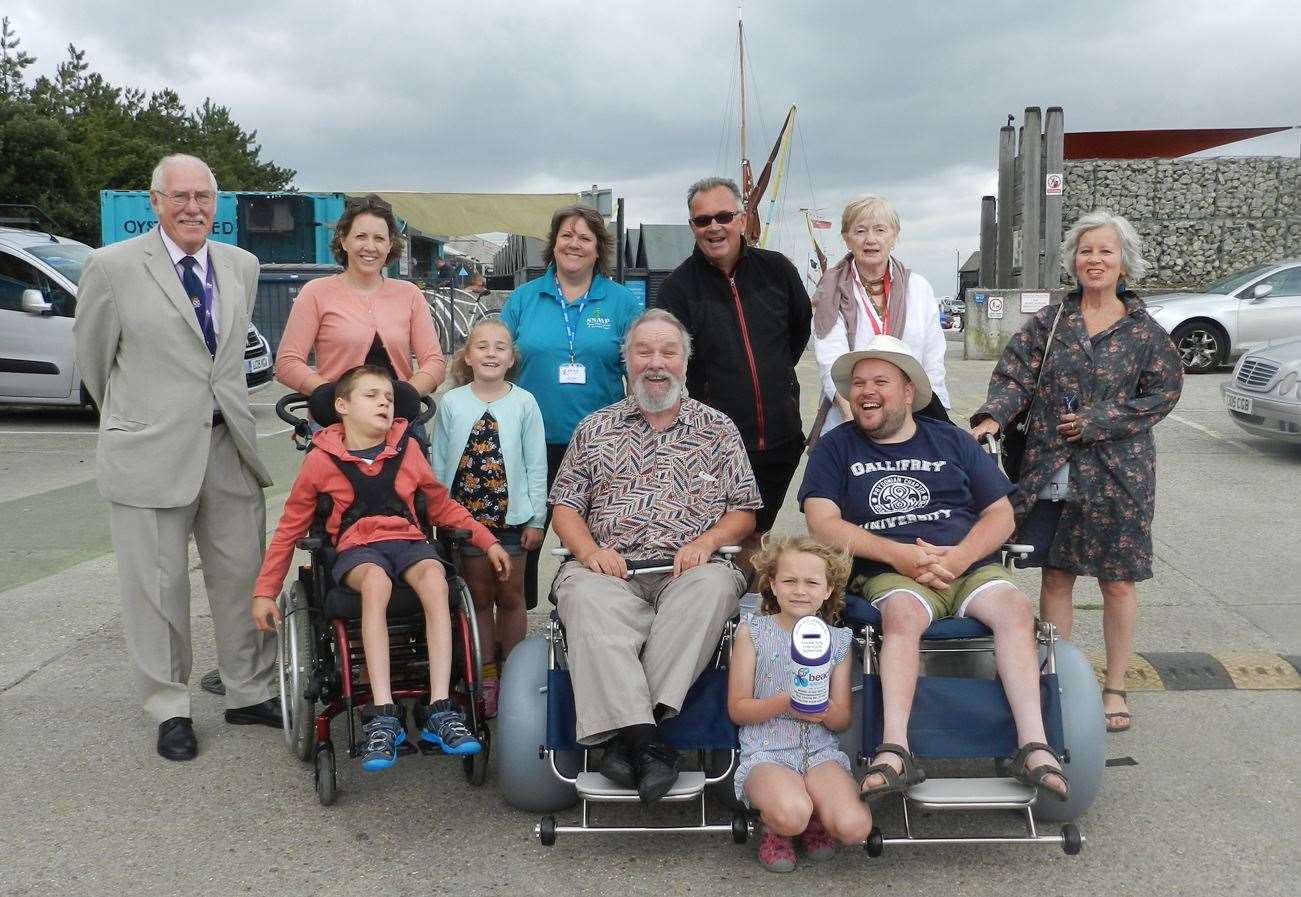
{"points": [[490, 687], [817, 841], [777, 854]]}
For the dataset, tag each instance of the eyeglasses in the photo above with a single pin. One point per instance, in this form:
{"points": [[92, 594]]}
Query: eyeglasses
{"points": [[181, 198], [720, 217]]}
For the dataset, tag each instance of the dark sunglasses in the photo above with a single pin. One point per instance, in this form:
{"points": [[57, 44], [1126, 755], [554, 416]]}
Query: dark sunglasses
{"points": [[720, 217]]}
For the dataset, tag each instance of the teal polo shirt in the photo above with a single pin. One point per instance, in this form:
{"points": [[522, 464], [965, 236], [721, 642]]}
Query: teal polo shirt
{"points": [[536, 322]]}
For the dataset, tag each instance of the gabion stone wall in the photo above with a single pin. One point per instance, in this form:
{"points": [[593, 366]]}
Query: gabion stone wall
{"points": [[1200, 218]]}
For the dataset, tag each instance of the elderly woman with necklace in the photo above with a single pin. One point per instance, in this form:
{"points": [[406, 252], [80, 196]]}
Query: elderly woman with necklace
{"points": [[869, 292], [1087, 488]]}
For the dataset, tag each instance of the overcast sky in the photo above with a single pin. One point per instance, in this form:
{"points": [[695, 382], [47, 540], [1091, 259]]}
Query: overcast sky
{"points": [[899, 99]]}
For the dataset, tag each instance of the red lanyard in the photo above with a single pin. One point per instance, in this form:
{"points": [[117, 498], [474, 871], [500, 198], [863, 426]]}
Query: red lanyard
{"points": [[880, 324]]}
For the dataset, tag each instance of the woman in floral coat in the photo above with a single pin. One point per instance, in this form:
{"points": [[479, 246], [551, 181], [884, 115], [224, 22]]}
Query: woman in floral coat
{"points": [[1088, 476]]}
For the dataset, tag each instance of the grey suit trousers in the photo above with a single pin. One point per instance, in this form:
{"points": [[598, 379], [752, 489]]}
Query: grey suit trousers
{"points": [[639, 643], [228, 521]]}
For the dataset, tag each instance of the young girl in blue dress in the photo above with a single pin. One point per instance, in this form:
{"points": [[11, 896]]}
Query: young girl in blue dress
{"points": [[791, 768], [489, 447]]}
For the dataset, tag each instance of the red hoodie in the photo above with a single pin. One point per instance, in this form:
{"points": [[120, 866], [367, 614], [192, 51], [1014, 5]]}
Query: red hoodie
{"points": [[320, 474]]}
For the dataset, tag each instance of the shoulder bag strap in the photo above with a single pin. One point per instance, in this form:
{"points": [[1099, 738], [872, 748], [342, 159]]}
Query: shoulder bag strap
{"points": [[1043, 365]]}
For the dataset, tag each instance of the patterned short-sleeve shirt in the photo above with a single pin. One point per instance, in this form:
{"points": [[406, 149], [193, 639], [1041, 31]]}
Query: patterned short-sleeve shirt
{"points": [[646, 494]]}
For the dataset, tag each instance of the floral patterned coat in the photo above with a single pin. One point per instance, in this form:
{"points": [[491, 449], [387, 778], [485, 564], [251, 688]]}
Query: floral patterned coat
{"points": [[1125, 378]]}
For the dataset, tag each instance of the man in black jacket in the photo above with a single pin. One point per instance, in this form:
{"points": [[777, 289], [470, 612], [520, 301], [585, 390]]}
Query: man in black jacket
{"points": [[749, 318]]}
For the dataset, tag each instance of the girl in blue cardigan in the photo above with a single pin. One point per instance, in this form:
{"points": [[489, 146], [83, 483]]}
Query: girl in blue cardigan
{"points": [[489, 446]]}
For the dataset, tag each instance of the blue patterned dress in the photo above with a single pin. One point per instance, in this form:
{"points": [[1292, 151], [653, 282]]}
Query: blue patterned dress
{"points": [[788, 742]]}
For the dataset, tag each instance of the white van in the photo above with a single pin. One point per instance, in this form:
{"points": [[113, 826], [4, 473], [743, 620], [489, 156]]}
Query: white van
{"points": [[38, 298]]}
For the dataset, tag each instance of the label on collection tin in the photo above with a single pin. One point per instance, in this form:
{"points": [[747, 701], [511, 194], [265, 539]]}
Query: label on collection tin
{"points": [[811, 672]]}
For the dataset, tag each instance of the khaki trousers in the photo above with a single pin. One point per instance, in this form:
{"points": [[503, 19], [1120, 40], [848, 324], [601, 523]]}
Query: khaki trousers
{"points": [[228, 521], [639, 643]]}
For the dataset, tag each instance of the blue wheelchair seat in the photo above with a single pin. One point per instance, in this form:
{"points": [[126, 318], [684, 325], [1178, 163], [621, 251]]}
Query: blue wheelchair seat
{"points": [[858, 613]]}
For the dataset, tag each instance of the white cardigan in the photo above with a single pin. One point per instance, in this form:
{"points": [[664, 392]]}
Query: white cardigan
{"points": [[921, 331]]}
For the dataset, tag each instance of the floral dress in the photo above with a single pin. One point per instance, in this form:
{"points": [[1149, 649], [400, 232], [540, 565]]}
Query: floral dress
{"points": [[1126, 378], [480, 482], [794, 744]]}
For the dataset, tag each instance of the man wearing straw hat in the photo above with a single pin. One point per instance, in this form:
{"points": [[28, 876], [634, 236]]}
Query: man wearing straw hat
{"points": [[924, 510]]}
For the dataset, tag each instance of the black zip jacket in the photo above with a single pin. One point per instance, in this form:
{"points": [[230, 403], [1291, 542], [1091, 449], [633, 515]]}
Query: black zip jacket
{"points": [[748, 331]]}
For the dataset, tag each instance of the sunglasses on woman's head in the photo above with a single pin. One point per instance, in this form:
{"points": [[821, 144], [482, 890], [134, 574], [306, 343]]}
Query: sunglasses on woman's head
{"points": [[720, 217]]}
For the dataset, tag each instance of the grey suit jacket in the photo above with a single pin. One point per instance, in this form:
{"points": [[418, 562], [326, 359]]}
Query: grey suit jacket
{"points": [[144, 362]]}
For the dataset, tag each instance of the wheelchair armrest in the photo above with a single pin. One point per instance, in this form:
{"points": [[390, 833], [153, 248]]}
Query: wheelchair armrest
{"points": [[311, 543], [454, 535], [728, 551], [1018, 551], [561, 552]]}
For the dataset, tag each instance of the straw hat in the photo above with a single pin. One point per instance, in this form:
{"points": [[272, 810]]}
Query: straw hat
{"points": [[886, 348]]}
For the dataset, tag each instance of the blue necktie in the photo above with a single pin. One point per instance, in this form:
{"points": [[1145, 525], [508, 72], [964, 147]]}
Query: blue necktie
{"points": [[199, 299]]}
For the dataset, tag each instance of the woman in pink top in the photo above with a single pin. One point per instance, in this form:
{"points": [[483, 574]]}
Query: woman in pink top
{"points": [[360, 316]]}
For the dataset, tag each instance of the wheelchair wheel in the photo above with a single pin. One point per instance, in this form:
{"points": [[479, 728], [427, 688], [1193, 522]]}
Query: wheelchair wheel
{"points": [[296, 661], [1072, 843], [740, 828], [1085, 736], [875, 844], [476, 765], [327, 785], [526, 780], [547, 830]]}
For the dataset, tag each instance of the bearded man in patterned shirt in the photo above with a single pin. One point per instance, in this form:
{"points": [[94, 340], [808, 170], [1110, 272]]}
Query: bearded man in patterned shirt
{"points": [[656, 475]]}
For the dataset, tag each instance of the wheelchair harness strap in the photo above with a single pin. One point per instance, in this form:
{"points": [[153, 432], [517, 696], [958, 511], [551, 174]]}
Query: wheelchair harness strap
{"points": [[374, 496]]}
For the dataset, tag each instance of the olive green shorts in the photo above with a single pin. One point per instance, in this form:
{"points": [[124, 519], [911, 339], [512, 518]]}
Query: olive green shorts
{"points": [[950, 602]]}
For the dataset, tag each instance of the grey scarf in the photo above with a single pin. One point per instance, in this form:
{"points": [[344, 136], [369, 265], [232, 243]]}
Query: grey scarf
{"points": [[834, 298]]}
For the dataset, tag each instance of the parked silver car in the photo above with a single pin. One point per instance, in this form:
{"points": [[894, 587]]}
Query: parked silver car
{"points": [[39, 273], [1264, 394], [1234, 315]]}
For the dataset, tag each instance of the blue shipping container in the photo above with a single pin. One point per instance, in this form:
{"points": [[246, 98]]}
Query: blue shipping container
{"points": [[124, 214]]}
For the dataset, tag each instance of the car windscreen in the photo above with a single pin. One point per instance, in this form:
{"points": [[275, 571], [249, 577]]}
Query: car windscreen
{"points": [[66, 258], [1226, 285]]}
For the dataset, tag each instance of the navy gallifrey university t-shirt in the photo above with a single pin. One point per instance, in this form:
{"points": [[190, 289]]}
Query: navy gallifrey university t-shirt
{"points": [[932, 487]]}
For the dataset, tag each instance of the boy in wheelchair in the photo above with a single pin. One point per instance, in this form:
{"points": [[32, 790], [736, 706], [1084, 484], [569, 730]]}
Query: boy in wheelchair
{"points": [[363, 464], [924, 511]]}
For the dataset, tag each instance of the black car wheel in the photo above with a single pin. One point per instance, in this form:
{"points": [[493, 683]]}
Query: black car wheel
{"points": [[1202, 346]]}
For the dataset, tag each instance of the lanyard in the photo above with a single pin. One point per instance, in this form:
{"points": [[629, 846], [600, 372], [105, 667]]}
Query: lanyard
{"points": [[571, 327]]}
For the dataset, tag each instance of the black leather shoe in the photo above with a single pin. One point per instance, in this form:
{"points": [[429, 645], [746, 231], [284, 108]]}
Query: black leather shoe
{"points": [[176, 739], [617, 764], [265, 714], [657, 771]]}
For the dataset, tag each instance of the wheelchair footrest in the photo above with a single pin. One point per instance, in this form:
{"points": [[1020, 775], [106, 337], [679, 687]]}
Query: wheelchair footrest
{"points": [[972, 794], [595, 787]]}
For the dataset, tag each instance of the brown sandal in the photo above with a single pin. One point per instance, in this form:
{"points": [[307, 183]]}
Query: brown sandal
{"points": [[1122, 715], [912, 774], [1037, 777]]}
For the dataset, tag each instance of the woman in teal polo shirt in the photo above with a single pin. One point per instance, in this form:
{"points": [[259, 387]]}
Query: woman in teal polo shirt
{"points": [[568, 326]]}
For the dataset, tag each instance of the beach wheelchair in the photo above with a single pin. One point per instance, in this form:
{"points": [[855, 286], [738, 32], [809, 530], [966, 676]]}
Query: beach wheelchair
{"points": [[960, 713], [322, 667], [543, 769]]}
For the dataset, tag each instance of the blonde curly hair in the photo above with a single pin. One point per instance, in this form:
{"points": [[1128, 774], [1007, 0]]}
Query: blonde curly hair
{"points": [[836, 560], [458, 370]]}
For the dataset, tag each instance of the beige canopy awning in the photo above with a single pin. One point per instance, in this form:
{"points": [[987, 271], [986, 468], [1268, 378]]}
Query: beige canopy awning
{"points": [[462, 214]]}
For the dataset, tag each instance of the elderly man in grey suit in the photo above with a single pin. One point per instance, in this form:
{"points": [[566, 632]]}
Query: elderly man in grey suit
{"points": [[160, 332]]}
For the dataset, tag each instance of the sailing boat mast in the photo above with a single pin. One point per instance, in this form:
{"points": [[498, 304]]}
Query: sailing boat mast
{"points": [[747, 176]]}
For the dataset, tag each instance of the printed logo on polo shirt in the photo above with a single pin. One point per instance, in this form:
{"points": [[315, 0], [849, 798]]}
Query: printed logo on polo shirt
{"points": [[898, 495], [598, 321]]}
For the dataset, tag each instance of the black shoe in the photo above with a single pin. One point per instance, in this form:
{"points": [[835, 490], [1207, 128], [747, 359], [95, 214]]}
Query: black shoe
{"points": [[176, 739], [617, 764], [265, 714], [657, 771], [212, 684]]}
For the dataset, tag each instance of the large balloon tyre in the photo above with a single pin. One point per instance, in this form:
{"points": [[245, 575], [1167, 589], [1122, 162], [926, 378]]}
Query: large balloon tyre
{"points": [[526, 780], [1085, 736]]}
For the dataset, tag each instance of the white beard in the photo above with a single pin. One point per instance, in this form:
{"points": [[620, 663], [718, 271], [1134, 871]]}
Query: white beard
{"points": [[673, 393]]}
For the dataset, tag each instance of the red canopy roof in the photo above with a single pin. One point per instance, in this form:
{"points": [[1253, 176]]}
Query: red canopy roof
{"points": [[1164, 144]]}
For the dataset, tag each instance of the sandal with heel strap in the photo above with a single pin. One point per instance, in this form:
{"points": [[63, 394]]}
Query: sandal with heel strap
{"points": [[1122, 715], [895, 781], [1038, 776]]}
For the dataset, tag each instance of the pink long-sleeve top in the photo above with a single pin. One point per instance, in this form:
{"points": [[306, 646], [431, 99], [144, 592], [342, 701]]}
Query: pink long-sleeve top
{"points": [[340, 326]]}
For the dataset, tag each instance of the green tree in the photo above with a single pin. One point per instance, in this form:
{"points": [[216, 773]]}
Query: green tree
{"points": [[67, 137]]}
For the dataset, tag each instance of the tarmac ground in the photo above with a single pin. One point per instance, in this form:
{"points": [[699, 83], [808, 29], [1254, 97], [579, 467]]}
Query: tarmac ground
{"points": [[1201, 797]]}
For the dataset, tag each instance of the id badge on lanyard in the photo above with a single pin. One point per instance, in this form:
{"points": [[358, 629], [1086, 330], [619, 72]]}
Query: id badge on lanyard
{"points": [[574, 372]]}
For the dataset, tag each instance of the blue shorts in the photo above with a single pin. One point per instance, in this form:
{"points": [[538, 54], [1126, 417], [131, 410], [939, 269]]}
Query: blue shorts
{"points": [[508, 536], [393, 556]]}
